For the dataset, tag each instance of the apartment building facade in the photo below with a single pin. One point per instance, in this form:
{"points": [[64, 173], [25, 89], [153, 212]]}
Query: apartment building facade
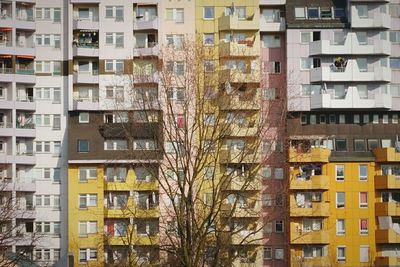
{"points": [[74, 73], [342, 94], [33, 127]]}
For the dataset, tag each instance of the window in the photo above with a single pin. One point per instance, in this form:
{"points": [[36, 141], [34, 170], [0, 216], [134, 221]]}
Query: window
{"points": [[208, 38], [208, 12], [175, 14], [279, 253], [375, 118], [144, 144], [341, 145], [274, 67], [267, 253], [116, 12], [176, 40], [363, 172], [116, 174], [363, 226], [340, 200], [339, 172], [299, 13], [209, 119], [362, 11], [278, 173], [364, 254], [395, 118], [87, 254], [373, 143], [87, 227], [341, 254], [119, 144], [115, 38], [116, 93], [313, 12], [279, 228], [87, 173], [87, 200], [267, 200], [176, 94], [363, 199], [271, 41], [359, 145], [83, 117], [209, 65], [209, 172], [340, 227], [83, 146], [269, 93], [279, 200], [394, 36], [114, 66], [305, 37], [177, 67], [394, 63]]}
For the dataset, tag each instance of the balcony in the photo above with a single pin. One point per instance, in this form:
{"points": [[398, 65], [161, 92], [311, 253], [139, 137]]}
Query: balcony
{"points": [[239, 183], [87, 24], [6, 75], [381, 261], [240, 131], [272, 2], [377, 20], [316, 261], [25, 130], [238, 156], [25, 103], [26, 50], [387, 182], [239, 76], [250, 237], [239, 49], [241, 211], [25, 75], [25, 212], [88, 50], [26, 158], [351, 73], [232, 22], [28, 186], [278, 25], [25, 22], [145, 78], [239, 102], [315, 154], [146, 51], [86, 77], [386, 236], [387, 209], [351, 100], [85, 1], [6, 48], [86, 104], [140, 25], [317, 209], [351, 46], [6, 129], [315, 182], [388, 154], [312, 237]]}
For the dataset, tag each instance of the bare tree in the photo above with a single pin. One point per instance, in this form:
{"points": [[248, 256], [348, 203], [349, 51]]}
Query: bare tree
{"points": [[204, 152], [16, 225]]}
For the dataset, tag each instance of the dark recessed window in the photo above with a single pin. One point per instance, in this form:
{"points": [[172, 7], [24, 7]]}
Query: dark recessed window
{"points": [[83, 146], [340, 12], [373, 143], [313, 12], [341, 145], [359, 145]]}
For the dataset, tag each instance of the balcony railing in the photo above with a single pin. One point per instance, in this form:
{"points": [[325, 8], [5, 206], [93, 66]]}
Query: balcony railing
{"points": [[6, 71], [5, 43], [26, 126], [25, 71], [26, 18]]}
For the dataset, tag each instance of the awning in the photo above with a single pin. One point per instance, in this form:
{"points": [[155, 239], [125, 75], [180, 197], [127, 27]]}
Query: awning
{"points": [[5, 56], [308, 137], [5, 29], [28, 57]]}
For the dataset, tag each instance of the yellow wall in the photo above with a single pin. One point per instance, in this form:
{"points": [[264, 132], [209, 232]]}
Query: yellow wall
{"points": [[75, 214]]}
